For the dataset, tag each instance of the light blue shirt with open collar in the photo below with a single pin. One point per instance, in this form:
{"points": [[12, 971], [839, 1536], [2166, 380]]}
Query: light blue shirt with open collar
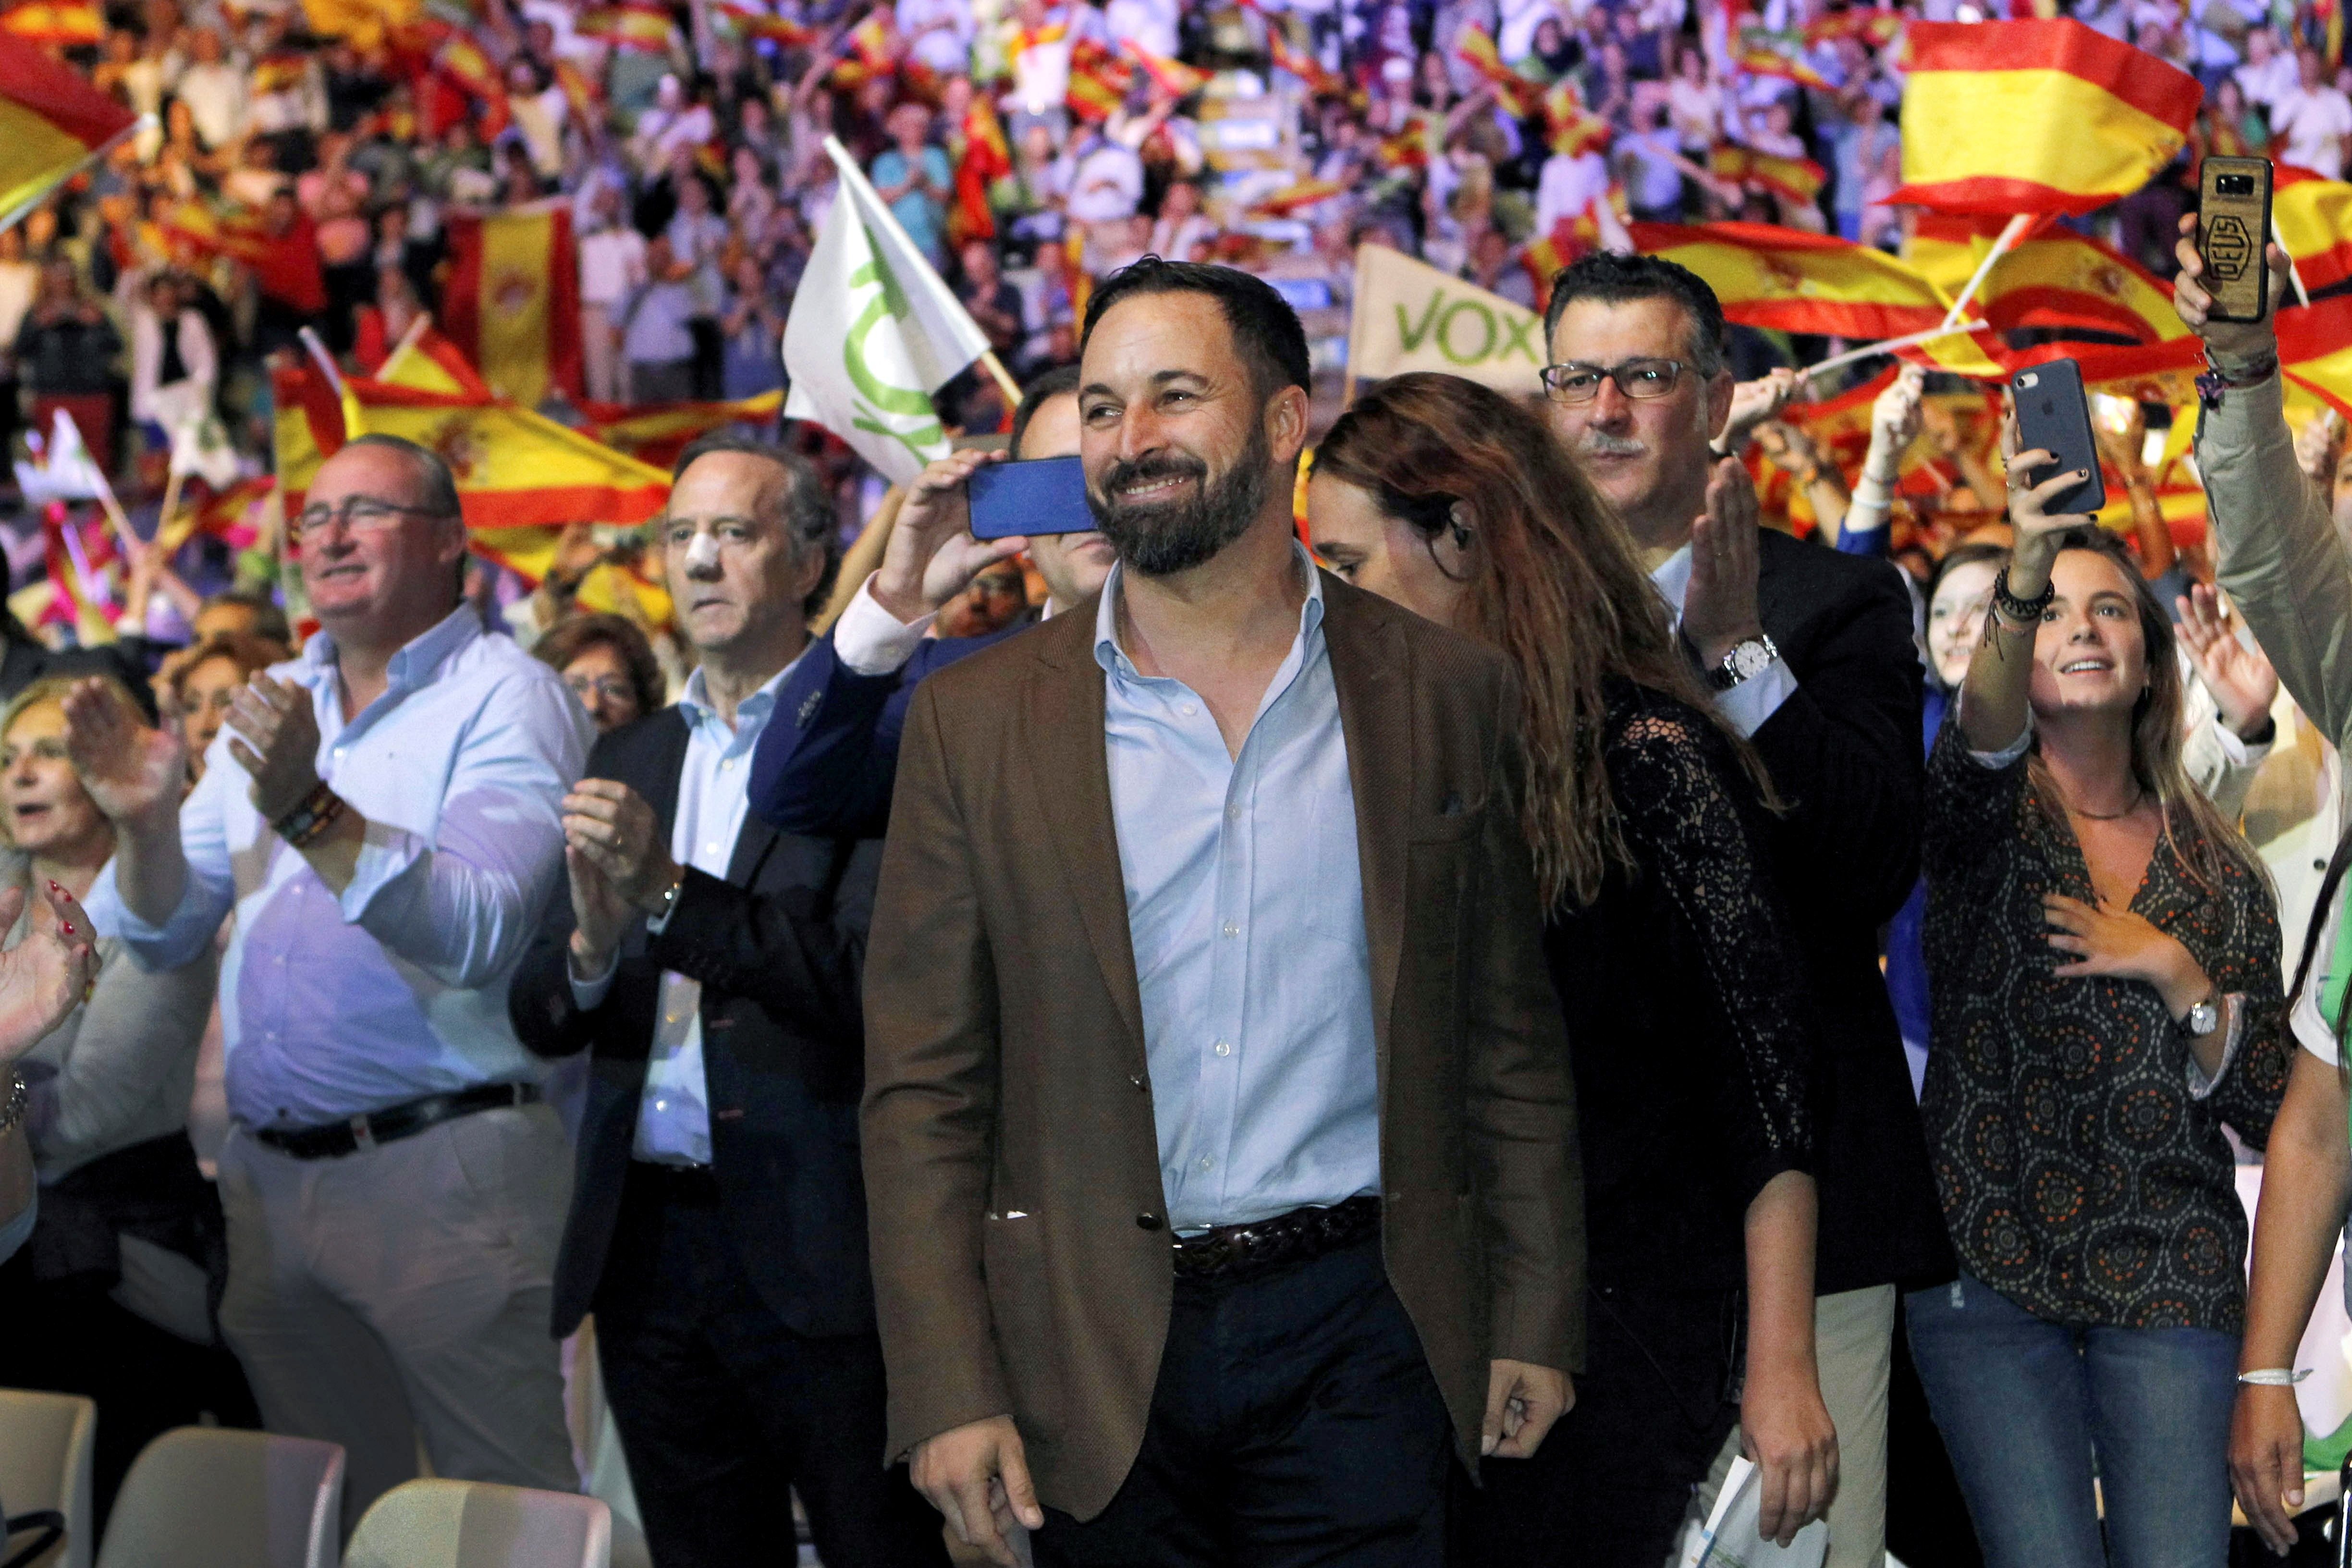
{"points": [[1246, 912], [713, 797], [333, 1005]]}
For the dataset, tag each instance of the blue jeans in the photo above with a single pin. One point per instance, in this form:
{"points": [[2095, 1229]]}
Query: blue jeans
{"points": [[2026, 1406]]}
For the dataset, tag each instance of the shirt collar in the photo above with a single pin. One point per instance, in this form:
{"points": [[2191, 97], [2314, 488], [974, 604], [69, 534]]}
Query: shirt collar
{"points": [[414, 665], [752, 710], [1113, 657]]}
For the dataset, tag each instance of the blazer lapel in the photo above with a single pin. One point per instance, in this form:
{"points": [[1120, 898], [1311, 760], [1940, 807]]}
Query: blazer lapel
{"points": [[1370, 668], [667, 753], [1072, 776]]}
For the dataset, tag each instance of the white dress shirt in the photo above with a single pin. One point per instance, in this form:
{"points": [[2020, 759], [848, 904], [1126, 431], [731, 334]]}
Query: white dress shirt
{"points": [[713, 797], [1746, 705]]}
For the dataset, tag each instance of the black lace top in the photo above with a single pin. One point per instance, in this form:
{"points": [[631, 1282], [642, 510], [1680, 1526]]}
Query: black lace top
{"points": [[2081, 1161], [1687, 1003]]}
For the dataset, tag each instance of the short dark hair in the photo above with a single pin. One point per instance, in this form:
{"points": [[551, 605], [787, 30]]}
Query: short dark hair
{"points": [[268, 616], [436, 484], [564, 642], [807, 512], [1266, 329], [1614, 279], [1061, 381]]}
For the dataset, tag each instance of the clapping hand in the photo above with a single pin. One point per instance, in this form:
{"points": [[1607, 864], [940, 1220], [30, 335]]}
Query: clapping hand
{"points": [[275, 740], [134, 774], [2241, 678], [1719, 607], [45, 976]]}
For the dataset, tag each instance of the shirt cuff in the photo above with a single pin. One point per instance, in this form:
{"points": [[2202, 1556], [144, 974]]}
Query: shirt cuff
{"points": [[2234, 1025], [870, 640], [2239, 753], [589, 994], [1748, 705], [2005, 757]]}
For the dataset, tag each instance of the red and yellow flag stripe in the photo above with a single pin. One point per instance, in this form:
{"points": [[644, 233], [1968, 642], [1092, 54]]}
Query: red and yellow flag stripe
{"points": [[2057, 278], [1792, 280], [2314, 216], [513, 300], [51, 120], [42, 22]]}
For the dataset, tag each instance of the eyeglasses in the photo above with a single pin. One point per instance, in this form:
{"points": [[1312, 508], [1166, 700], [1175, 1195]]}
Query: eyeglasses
{"points": [[1636, 378], [611, 687], [361, 514]]}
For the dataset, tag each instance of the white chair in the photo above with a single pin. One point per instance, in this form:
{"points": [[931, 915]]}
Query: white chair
{"points": [[202, 1497], [473, 1524], [45, 1444]]}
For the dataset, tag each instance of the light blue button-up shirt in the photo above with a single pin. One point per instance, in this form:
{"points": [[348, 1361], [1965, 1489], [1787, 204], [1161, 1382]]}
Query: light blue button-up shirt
{"points": [[331, 1006], [1246, 908], [713, 797]]}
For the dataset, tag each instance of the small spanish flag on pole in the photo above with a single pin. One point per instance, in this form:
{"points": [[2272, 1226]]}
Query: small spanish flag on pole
{"points": [[2057, 279], [52, 122], [2040, 116], [513, 300], [1790, 281]]}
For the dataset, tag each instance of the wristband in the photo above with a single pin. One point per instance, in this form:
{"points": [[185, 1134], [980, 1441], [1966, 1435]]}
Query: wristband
{"points": [[307, 822], [2023, 613], [2273, 1377], [1871, 491]]}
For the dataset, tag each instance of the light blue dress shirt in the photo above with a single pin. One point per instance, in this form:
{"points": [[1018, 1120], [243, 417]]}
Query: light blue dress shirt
{"points": [[713, 797], [332, 1006], [1246, 908]]}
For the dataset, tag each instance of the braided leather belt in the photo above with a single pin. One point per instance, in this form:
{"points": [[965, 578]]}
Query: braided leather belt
{"points": [[1292, 1237]]}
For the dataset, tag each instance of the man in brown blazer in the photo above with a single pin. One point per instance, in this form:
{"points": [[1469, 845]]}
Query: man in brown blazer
{"points": [[1219, 1140]]}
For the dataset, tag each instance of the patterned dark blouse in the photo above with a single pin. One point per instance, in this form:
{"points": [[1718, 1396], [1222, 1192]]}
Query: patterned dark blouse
{"points": [[2079, 1155]]}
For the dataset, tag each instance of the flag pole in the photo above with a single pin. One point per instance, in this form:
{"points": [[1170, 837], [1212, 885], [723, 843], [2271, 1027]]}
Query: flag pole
{"points": [[112, 507], [2010, 236], [1004, 382], [2294, 273], [1869, 351], [23, 209]]}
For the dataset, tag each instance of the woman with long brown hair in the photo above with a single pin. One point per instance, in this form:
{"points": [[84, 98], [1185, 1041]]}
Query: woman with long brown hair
{"points": [[1673, 955]]}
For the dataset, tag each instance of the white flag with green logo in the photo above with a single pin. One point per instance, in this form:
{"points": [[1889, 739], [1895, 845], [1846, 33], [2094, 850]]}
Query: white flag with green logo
{"points": [[873, 334]]}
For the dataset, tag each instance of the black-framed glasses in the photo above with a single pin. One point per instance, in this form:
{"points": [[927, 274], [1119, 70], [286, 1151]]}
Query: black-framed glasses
{"points": [[1636, 378], [361, 514]]}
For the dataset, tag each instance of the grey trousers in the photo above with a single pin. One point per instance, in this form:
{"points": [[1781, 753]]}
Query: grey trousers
{"points": [[404, 1291]]}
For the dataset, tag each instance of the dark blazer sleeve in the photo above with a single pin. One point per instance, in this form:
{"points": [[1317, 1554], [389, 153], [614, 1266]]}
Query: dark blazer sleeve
{"points": [[1843, 748], [797, 952], [825, 768]]}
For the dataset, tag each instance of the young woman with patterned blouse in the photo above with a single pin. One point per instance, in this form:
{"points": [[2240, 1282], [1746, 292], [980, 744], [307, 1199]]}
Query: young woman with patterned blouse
{"points": [[2102, 950]]}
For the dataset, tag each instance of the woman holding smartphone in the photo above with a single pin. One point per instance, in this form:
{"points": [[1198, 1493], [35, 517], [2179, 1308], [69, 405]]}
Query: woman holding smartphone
{"points": [[2102, 954]]}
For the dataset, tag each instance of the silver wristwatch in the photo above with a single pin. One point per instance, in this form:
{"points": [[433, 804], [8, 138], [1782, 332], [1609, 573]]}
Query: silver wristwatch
{"points": [[1746, 661], [2202, 1019]]}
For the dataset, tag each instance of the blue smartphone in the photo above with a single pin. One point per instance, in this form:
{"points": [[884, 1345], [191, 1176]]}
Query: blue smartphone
{"points": [[1043, 495]]}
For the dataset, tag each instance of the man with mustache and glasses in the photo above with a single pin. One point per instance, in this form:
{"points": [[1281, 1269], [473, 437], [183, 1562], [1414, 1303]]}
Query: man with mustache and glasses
{"points": [[1810, 657], [1220, 1147]]}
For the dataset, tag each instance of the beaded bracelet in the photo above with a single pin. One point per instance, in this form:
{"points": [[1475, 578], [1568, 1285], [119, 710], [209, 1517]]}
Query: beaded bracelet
{"points": [[308, 822], [2022, 613]]}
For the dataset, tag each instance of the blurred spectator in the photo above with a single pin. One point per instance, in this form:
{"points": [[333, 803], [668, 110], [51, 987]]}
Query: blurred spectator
{"points": [[607, 664], [913, 177], [66, 359]]}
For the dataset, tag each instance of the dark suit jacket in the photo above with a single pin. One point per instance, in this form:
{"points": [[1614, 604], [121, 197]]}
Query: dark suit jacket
{"points": [[824, 765], [777, 947], [1843, 750], [1011, 1161]]}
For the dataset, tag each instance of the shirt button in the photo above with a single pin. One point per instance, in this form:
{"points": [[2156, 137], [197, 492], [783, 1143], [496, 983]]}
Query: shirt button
{"points": [[1224, 1047], [1187, 710], [1147, 1222], [1232, 927], [1232, 814], [1206, 1161], [711, 849], [726, 766]]}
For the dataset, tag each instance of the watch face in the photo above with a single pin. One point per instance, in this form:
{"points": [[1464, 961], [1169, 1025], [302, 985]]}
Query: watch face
{"points": [[1748, 660]]}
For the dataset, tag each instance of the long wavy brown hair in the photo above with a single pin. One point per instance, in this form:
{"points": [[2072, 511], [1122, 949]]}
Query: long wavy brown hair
{"points": [[1557, 586]]}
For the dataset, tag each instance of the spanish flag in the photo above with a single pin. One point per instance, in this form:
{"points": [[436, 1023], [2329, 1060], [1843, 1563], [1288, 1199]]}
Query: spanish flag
{"points": [[1798, 179], [869, 53], [2314, 218], [1876, 28], [1571, 129], [1099, 81], [2034, 116], [513, 300], [2315, 350], [1285, 56], [647, 28], [781, 31], [307, 427], [514, 468], [2163, 373], [427, 360], [656, 433], [2057, 279], [1290, 199], [51, 122], [285, 267], [1790, 281], [41, 22], [1782, 55], [1476, 48], [983, 157], [579, 91], [1171, 77], [222, 516]]}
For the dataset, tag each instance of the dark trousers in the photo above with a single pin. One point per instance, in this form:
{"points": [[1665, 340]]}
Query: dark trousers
{"points": [[1295, 1422], [721, 1408], [1608, 1486]]}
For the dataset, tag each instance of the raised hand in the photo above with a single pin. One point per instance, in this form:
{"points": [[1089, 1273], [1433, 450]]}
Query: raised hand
{"points": [[45, 976], [599, 915], [609, 825], [1719, 606], [2038, 530], [1754, 401], [133, 774], [932, 555], [2241, 678], [276, 740], [2234, 343], [1898, 413]]}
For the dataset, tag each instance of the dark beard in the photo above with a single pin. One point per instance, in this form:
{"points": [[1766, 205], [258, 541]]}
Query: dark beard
{"points": [[1162, 538]]}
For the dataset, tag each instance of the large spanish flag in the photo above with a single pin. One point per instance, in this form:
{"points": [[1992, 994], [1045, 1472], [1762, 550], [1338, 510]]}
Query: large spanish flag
{"points": [[51, 120], [2314, 218], [2034, 116], [1790, 281], [513, 300], [514, 468], [427, 360], [2055, 279], [2315, 350]]}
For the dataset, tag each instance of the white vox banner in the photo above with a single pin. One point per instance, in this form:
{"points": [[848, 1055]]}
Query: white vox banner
{"points": [[873, 334], [1409, 316]]}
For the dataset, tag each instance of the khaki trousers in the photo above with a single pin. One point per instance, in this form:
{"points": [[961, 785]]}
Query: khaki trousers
{"points": [[1854, 1341], [405, 1291]]}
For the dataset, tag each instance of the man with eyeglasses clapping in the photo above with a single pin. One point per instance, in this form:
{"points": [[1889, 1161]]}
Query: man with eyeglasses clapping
{"points": [[382, 815]]}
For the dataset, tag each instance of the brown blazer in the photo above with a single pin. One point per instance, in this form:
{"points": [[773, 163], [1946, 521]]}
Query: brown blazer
{"points": [[1021, 1259]]}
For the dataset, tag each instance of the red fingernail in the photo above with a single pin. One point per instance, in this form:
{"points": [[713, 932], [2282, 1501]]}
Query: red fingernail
{"points": [[70, 928], [54, 888]]}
